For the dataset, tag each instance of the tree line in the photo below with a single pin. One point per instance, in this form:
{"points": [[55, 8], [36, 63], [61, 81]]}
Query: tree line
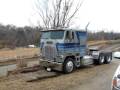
{"points": [[101, 35], [12, 36]]}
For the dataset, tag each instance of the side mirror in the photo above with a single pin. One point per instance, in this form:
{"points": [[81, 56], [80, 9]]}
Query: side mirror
{"points": [[118, 76], [70, 35]]}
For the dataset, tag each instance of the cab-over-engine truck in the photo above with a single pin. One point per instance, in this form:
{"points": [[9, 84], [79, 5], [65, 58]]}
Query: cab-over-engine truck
{"points": [[66, 49]]}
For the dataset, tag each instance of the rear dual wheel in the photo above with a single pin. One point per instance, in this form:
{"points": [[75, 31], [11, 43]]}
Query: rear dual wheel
{"points": [[104, 59], [101, 59], [108, 59]]}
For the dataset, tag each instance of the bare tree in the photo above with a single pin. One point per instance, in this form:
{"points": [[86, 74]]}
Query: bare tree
{"points": [[58, 13]]}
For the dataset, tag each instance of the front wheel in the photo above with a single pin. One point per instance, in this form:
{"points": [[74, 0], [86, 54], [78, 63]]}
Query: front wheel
{"points": [[68, 65]]}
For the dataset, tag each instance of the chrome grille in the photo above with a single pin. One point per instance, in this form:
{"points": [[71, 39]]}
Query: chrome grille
{"points": [[49, 52]]}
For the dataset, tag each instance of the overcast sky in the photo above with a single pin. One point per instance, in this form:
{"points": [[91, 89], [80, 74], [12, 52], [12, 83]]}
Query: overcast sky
{"points": [[102, 14]]}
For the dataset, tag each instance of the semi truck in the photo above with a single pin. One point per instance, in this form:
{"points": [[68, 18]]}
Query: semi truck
{"points": [[66, 50]]}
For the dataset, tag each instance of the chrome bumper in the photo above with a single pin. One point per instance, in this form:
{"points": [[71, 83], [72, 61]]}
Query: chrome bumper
{"points": [[51, 64]]}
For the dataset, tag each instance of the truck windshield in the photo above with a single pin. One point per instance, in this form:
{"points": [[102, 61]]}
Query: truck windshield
{"points": [[52, 34]]}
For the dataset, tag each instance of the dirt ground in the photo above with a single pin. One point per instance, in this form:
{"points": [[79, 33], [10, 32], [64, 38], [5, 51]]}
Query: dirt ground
{"points": [[86, 78]]}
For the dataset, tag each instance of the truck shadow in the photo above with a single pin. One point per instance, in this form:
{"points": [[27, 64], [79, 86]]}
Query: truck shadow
{"points": [[54, 74], [44, 77]]}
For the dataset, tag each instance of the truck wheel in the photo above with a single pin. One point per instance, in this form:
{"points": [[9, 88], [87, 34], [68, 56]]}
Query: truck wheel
{"points": [[108, 59], [101, 59], [68, 65]]}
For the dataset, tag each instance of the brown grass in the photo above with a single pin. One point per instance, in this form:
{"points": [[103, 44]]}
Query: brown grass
{"points": [[18, 52], [98, 42]]}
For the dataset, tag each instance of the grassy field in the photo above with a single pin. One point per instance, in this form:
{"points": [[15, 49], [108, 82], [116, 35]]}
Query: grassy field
{"points": [[18, 52], [102, 42], [97, 42]]}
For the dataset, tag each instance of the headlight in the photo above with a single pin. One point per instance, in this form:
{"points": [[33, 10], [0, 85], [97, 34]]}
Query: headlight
{"points": [[61, 56]]}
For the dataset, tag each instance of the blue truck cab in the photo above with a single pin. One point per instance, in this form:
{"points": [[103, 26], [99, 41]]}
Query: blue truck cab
{"points": [[64, 49]]}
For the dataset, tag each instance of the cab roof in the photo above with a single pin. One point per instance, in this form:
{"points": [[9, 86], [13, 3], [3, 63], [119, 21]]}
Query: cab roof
{"points": [[64, 29]]}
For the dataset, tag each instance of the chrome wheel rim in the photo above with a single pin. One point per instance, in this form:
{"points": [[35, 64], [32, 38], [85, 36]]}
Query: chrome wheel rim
{"points": [[69, 66], [102, 59], [109, 59]]}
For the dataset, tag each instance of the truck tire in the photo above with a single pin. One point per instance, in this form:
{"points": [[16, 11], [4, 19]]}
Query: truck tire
{"points": [[101, 59], [68, 65], [108, 59]]}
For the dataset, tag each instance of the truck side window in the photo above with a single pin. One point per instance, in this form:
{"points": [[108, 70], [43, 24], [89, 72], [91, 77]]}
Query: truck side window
{"points": [[82, 40], [69, 36]]}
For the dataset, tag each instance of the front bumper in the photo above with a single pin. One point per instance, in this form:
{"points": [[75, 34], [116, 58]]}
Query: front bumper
{"points": [[51, 64]]}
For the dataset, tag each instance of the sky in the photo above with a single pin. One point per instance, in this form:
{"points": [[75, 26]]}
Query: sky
{"points": [[102, 14]]}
